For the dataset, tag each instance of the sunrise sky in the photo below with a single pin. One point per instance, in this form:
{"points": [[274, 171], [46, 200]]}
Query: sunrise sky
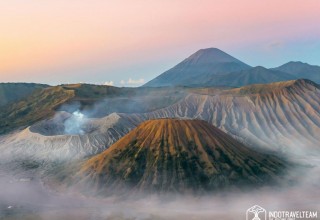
{"points": [[127, 42]]}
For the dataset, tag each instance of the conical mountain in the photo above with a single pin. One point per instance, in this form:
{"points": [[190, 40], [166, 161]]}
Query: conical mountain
{"points": [[200, 66], [211, 56], [172, 155]]}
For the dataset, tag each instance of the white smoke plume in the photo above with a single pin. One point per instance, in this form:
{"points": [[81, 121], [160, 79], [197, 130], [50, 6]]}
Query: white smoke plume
{"points": [[74, 124]]}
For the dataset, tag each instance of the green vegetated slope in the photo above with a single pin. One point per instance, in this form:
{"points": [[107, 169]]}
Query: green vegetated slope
{"points": [[39, 105], [11, 92]]}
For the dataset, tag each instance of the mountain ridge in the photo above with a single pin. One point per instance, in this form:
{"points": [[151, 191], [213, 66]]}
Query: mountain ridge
{"points": [[285, 117], [301, 70], [13, 92], [254, 75], [213, 67]]}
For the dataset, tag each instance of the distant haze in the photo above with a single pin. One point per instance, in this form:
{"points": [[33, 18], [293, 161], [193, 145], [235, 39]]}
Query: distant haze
{"points": [[127, 43]]}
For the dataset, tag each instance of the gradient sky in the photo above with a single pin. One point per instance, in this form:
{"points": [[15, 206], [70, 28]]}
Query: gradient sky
{"points": [[128, 42]]}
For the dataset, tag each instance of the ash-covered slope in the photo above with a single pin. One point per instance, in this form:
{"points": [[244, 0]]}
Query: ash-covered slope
{"points": [[198, 68], [281, 116], [171, 155], [47, 141]]}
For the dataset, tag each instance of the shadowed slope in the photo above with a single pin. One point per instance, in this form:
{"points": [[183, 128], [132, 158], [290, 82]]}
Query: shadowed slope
{"points": [[177, 155]]}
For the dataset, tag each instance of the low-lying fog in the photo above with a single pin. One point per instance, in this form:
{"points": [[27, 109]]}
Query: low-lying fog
{"points": [[23, 196]]}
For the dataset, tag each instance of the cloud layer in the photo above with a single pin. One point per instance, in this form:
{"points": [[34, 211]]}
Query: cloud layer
{"points": [[132, 82]]}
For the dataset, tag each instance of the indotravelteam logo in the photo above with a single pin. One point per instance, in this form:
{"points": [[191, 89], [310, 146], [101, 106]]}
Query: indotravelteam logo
{"points": [[256, 212]]}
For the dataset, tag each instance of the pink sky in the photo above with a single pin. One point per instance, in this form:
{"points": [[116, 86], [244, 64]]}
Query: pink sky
{"points": [[56, 41]]}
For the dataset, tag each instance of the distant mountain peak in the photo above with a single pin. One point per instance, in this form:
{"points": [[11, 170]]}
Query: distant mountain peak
{"points": [[301, 70], [296, 62], [210, 50], [198, 68], [211, 55], [260, 67]]}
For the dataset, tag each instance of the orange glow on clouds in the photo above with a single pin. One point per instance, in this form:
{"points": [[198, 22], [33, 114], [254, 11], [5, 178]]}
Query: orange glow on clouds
{"points": [[56, 35]]}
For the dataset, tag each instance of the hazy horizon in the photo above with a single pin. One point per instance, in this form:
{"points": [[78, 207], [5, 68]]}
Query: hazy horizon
{"points": [[130, 43]]}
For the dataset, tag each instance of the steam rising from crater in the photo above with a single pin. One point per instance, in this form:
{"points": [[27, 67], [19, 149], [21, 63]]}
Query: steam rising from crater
{"points": [[74, 124]]}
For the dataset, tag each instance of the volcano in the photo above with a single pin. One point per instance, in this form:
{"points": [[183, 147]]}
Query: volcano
{"points": [[198, 68], [172, 155]]}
